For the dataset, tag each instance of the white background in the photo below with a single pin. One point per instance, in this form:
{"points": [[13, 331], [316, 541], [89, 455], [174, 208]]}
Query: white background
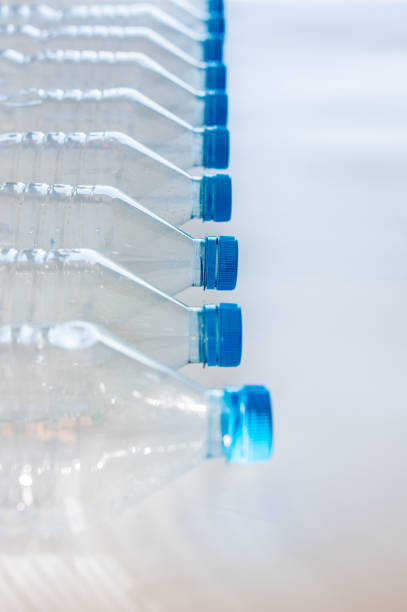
{"points": [[318, 99]]}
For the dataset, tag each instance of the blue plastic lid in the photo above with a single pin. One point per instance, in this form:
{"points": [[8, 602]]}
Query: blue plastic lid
{"points": [[215, 75], [215, 150], [220, 263], [221, 335], [215, 6], [216, 23], [247, 424], [216, 197], [212, 49], [215, 108]]}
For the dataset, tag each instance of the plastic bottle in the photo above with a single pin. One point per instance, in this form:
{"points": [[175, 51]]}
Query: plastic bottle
{"points": [[107, 69], [97, 426], [66, 284], [117, 110], [198, 18], [102, 218], [200, 74], [119, 161], [200, 45]]}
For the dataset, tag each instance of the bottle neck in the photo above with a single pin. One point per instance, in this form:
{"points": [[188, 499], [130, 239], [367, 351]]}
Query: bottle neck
{"points": [[196, 196], [207, 262], [204, 335], [215, 440], [196, 331], [198, 147], [198, 263]]}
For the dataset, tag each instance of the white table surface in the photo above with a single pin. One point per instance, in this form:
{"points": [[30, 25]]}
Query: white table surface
{"points": [[318, 99]]}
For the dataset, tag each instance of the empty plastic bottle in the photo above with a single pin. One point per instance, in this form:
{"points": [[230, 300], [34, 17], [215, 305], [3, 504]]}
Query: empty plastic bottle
{"points": [[200, 19], [59, 285], [108, 69], [200, 45], [115, 159], [121, 110], [97, 426], [29, 40], [44, 216]]}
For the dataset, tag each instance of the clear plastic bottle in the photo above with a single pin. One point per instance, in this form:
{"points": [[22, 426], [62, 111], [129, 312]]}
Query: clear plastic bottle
{"points": [[201, 19], [119, 161], [97, 426], [66, 69], [29, 40], [59, 285], [102, 218], [199, 44], [117, 110]]}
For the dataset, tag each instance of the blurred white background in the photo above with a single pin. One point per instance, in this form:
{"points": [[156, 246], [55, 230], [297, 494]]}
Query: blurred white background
{"points": [[318, 106]]}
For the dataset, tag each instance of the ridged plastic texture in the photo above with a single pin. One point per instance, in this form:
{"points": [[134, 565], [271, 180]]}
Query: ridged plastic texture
{"points": [[216, 24], [93, 13], [215, 153], [101, 69], [215, 6], [27, 38], [215, 76], [222, 342], [246, 423], [216, 197], [213, 49], [228, 263], [106, 220], [220, 265], [110, 157], [118, 109], [215, 108]]}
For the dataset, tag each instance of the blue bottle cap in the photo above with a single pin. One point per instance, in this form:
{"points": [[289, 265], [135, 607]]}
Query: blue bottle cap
{"points": [[215, 151], [220, 263], [215, 75], [215, 108], [246, 424], [216, 197], [212, 49], [221, 335], [215, 6], [216, 24]]}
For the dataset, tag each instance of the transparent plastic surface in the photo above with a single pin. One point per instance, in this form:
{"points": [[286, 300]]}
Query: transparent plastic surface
{"points": [[141, 15], [45, 216], [95, 427], [188, 13], [71, 69], [117, 110], [105, 158], [29, 40], [40, 286]]}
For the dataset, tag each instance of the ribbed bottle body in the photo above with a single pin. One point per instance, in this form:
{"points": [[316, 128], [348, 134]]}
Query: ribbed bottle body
{"points": [[188, 13], [95, 427], [30, 40], [38, 215], [100, 158], [70, 69], [62, 285], [113, 110], [145, 15]]}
